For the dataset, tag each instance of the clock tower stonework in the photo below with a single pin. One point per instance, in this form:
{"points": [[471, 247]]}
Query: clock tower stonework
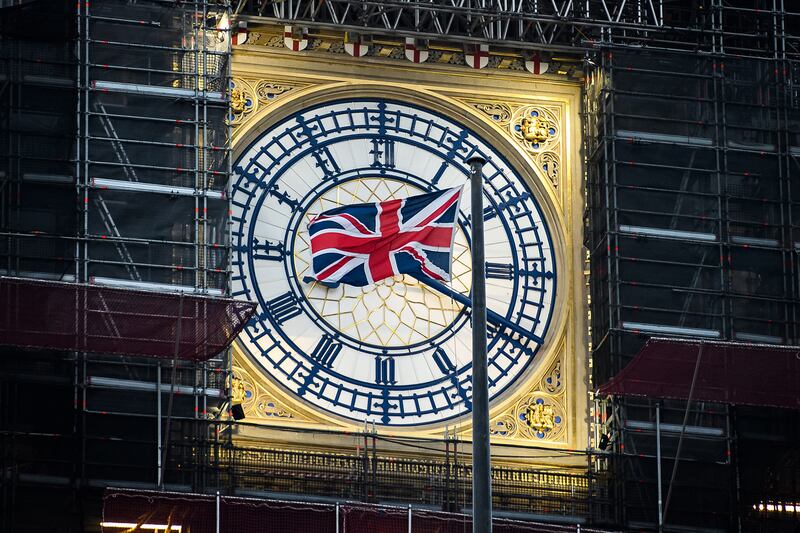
{"points": [[528, 125]]}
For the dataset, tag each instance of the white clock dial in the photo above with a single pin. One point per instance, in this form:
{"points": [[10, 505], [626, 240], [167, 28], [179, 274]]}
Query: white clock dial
{"points": [[397, 352]]}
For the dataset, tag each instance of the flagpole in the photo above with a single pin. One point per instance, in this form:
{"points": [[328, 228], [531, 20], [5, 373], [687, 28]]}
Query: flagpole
{"points": [[481, 454]]}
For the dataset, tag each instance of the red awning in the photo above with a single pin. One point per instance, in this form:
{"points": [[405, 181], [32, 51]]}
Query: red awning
{"points": [[91, 318], [729, 372]]}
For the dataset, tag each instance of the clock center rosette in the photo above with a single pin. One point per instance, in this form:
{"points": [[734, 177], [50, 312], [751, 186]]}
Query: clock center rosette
{"points": [[395, 312]]}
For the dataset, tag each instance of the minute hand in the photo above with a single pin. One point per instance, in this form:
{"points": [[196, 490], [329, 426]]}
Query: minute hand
{"points": [[494, 318]]}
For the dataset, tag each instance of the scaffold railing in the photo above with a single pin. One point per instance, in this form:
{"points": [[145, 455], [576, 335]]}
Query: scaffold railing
{"points": [[553, 24], [762, 28]]}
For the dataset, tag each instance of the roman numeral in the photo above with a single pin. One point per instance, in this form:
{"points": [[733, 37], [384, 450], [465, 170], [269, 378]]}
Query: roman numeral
{"points": [[499, 271], [382, 153], [511, 203], [250, 177], [535, 274], [323, 157], [283, 308], [325, 162], [283, 197], [268, 250], [326, 351], [443, 361], [384, 371], [517, 346], [457, 146]]}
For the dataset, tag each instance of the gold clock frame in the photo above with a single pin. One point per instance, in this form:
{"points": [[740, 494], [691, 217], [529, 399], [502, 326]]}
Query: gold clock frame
{"points": [[549, 407]]}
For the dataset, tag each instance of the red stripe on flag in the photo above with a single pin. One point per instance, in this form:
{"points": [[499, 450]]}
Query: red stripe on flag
{"points": [[433, 236], [332, 269], [350, 218], [388, 224], [421, 260], [444, 207]]}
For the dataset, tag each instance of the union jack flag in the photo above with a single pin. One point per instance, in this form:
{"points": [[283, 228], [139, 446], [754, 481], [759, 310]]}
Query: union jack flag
{"points": [[362, 244]]}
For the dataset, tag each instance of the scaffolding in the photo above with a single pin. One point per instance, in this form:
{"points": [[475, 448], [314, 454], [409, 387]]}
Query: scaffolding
{"points": [[114, 158], [693, 230], [553, 25], [153, 153], [114, 222]]}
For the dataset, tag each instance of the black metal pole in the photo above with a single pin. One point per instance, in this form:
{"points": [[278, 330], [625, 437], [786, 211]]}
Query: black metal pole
{"points": [[167, 432], [481, 454], [683, 429]]}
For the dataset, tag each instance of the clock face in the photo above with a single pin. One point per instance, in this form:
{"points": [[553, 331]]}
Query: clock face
{"points": [[397, 352]]}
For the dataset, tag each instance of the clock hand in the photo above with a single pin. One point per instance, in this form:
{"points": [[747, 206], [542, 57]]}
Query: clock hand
{"points": [[494, 318]]}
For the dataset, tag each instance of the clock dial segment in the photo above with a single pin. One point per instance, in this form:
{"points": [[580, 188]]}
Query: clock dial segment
{"points": [[397, 352], [396, 312]]}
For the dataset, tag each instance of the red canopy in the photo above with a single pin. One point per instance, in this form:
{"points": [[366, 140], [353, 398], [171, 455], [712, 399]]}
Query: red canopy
{"points": [[91, 318], [729, 372]]}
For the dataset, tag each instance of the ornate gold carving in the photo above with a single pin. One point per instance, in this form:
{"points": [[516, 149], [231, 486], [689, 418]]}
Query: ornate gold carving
{"points": [[543, 416], [242, 100], [538, 415], [271, 409], [534, 130], [503, 426], [250, 95], [237, 101], [257, 401], [535, 127], [498, 112], [550, 163], [238, 390], [551, 382], [268, 91]]}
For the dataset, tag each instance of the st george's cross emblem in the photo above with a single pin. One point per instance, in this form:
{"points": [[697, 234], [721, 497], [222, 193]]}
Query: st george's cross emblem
{"points": [[361, 244]]}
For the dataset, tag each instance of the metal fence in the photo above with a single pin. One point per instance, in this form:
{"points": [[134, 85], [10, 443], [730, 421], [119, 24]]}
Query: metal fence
{"points": [[125, 510], [373, 474]]}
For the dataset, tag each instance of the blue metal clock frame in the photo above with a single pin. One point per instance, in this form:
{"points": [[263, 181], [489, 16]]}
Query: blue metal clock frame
{"points": [[259, 178]]}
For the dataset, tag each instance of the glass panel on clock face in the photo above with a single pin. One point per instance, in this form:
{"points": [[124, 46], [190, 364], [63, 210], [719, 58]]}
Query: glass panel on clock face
{"points": [[397, 352], [397, 312]]}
